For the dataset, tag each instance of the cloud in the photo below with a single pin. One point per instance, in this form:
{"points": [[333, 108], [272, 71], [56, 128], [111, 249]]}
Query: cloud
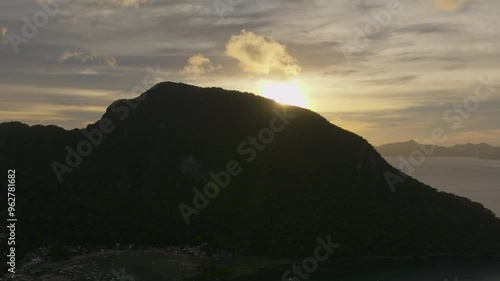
{"points": [[126, 3], [199, 64], [3, 35], [451, 5], [87, 56], [399, 80], [427, 28], [110, 61], [259, 55]]}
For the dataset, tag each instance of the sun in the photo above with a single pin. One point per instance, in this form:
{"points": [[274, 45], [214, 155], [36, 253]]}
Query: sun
{"points": [[285, 93]]}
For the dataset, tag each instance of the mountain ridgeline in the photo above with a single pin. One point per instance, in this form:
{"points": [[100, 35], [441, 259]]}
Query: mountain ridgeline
{"points": [[481, 150], [294, 176]]}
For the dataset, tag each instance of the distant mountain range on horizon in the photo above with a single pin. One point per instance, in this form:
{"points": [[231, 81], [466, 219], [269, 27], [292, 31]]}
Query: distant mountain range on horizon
{"points": [[481, 150]]}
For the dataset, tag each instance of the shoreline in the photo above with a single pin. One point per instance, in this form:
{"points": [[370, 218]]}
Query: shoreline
{"points": [[68, 270]]}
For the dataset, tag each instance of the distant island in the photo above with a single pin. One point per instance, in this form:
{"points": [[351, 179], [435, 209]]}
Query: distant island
{"points": [[481, 150]]}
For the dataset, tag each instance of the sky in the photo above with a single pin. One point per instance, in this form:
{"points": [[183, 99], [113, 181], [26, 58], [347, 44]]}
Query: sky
{"points": [[389, 70]]}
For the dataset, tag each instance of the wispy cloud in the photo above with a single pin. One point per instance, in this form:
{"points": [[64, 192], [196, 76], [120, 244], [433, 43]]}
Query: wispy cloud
{"points": [[259, 55], [88, 56], [398, 80], [126, 3], [3, 35], [451, 5]]}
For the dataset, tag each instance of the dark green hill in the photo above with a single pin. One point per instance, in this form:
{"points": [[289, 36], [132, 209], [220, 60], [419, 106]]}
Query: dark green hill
{"points": [[313, 179]]}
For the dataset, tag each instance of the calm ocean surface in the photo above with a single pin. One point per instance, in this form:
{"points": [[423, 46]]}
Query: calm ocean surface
{"points": [[473, 178]]}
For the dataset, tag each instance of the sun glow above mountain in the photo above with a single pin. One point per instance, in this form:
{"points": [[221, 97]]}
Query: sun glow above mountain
{"points": [[285, 92]]}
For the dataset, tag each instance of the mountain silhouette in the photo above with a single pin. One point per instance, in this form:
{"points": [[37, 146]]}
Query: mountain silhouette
{"points": [[275, 178]]}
